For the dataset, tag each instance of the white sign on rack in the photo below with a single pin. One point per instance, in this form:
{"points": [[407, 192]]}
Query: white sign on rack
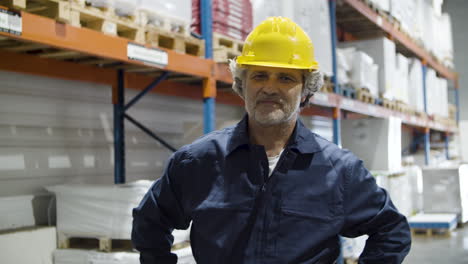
{"points": [[10, 22], [146, 55]]}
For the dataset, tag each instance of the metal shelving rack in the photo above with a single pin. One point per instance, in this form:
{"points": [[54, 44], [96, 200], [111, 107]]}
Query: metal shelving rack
{"points": [[105, 59]]}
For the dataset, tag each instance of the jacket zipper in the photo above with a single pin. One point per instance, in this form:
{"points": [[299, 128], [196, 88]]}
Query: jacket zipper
{"points": [[263, 235]]}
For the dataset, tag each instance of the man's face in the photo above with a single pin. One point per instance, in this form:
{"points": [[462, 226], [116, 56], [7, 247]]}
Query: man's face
{"points": [[272, 95]]}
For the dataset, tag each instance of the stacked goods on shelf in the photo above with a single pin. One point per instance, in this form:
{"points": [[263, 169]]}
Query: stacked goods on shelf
{"points": [[381, 134], [67, 256], [424, 22], [307, 14], [414, 173], [436, 94], [383, 5], [103, 212], [174, 16], [358, 69], [445, 190], [322, 126], [125, 7], [16, 212], [32, 246], [402, 79], [232, 22], [383, 52], [231, 18], [415, 87], [463, 126], [398, 185]]}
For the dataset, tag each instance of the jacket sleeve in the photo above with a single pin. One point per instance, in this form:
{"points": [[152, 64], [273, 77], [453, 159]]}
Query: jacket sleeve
{"points": [[369, 210], [159, 212]]}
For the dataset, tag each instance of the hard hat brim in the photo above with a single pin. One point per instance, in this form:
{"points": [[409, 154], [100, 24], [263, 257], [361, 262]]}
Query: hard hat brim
{"points": [[278, 65]]}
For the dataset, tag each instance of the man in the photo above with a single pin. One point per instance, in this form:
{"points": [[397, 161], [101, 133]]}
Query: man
{"points": [[268, 190]]}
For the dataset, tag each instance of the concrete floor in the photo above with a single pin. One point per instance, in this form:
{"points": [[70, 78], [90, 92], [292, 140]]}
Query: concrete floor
{"points": [[440, 249]]}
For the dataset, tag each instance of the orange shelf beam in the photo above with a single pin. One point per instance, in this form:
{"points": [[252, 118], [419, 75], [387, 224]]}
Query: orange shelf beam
{"points": [[46, 31]]}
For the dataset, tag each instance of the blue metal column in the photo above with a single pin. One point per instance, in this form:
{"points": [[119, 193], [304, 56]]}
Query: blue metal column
{"points": [[119, 131], [209, 120], [447, 137], [424, 74], [427, 145], [427, 132], [336, 89], [457, 103]]}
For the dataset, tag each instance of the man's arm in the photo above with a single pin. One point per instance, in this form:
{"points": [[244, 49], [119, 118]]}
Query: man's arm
{"points": [[369, 210], [155, 218]]}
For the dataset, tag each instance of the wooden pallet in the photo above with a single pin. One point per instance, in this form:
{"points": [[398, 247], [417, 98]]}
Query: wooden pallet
{"points": [[223, 55], [348, 92], [364, 95], [175, 41], [106, 21], [390, 104], [403, 107], [327, 86], [223, 42], [99, 243], [55, 9], [431, 232]]}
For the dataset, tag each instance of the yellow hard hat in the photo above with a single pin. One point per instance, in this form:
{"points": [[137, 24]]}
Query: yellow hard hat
{"points": [[278, 42]]}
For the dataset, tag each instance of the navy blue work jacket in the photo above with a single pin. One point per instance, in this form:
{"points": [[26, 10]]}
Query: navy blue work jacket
{"points": [[240, 215]]}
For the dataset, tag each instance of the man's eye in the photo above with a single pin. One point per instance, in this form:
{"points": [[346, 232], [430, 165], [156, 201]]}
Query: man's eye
{"points": [[259, 77], [286, 79]]}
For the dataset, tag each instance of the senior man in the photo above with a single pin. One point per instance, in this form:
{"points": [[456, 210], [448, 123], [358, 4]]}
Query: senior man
{"points": [[268, 190]]}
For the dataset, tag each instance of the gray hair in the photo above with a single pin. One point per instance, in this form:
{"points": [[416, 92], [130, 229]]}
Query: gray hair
{"points": [[313, 81]]}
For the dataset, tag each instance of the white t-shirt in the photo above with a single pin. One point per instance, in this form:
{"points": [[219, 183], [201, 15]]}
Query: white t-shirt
{"points": [[272, 161]]}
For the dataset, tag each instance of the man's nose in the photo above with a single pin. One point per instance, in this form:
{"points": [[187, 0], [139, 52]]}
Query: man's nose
{"points": [[270, 86]]}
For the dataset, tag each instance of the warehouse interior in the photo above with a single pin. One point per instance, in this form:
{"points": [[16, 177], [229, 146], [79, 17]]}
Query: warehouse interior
{"points": [[96, 95]]}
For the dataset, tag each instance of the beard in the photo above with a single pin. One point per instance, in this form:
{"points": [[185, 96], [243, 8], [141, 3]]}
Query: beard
{"points": [[270, 111]]}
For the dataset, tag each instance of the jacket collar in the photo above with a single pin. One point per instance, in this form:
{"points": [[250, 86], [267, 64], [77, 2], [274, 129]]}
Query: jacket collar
{"points": [[302, 138]]}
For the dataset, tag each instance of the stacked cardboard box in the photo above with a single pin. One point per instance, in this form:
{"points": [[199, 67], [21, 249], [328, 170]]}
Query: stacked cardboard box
{"points": [[232, 18]]}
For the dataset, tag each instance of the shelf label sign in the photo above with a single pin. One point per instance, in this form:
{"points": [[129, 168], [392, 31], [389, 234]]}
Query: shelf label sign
{"points": [[10, 22], [146, 55]]}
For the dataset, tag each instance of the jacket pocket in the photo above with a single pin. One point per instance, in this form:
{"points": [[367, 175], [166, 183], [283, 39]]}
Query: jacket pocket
{"points": [[303, 227], [316, 209]]}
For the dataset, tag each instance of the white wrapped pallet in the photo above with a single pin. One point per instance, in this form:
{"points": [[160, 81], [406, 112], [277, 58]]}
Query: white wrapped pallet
{"points": [[125, 7], [399, 188], [446, 190], [396, 9], [343, 67], [307, 14], [384, 135], [383, 51], [76, 256], [443, 48], [29, 246], [383, 5], [100, 3], [402, 71], [157, 11], [101, 210], [364, 73], [431, 91], [16, 212], [415, 88]]}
